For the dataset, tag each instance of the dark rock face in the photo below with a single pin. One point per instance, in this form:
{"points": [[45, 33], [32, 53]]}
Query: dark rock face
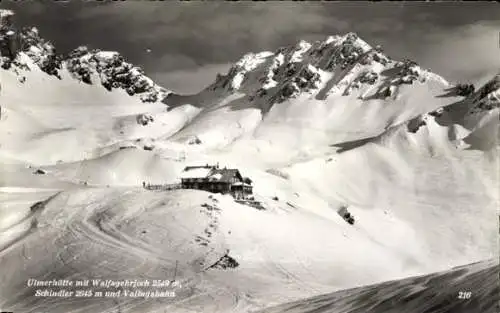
{"points": [[79, 68], [39, 172], [408, 72], [379, 57], [465, 90], [8, 39], [144, 119], [490, 87], [194, 141], [348, 54], [487, 97], [225, 262], [415, 124], [41, 51], [298, 80], [346, 215], [289, 90], [368, 77]]}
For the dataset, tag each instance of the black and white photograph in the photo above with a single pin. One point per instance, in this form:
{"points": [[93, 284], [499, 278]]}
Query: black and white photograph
{"points": [[249, 157]]}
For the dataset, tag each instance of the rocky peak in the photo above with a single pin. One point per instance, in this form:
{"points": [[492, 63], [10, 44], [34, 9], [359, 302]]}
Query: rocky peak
{"points": [[108, 69], [487, 97], [304, 67], [475, 104]]}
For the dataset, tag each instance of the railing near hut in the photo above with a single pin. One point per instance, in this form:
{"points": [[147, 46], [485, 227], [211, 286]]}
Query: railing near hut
{"points": [[163, 187]]}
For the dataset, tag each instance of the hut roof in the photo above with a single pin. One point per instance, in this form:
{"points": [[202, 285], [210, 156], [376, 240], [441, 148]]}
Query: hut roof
{"points": [[196, 172], [211, 173], [225, 174]]}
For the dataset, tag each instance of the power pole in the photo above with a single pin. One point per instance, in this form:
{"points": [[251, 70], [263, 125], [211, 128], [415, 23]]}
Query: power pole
{"points": [[175, 270]]}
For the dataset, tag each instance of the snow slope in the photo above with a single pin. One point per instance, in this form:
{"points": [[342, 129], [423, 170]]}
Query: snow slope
{"points": [[58, 119], [126, 167], [316, 126], [98, 232], [416, 294]]}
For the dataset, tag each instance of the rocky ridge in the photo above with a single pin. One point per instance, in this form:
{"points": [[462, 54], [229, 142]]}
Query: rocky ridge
{"points": [[23, 49]]}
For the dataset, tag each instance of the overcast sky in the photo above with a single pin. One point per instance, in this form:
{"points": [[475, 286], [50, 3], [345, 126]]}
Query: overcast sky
{"points": [[191, 41]]}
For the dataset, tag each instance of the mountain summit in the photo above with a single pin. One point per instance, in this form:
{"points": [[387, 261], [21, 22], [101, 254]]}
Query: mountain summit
{"points": [[347, 62]]}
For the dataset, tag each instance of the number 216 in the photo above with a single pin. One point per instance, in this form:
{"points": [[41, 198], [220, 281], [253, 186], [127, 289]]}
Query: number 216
{"points": [[464, 294]]}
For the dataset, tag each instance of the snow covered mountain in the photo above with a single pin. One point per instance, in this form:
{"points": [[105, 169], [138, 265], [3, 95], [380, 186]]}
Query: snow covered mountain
{"points": [[310, 96], [24, 49], [317, 127]]}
